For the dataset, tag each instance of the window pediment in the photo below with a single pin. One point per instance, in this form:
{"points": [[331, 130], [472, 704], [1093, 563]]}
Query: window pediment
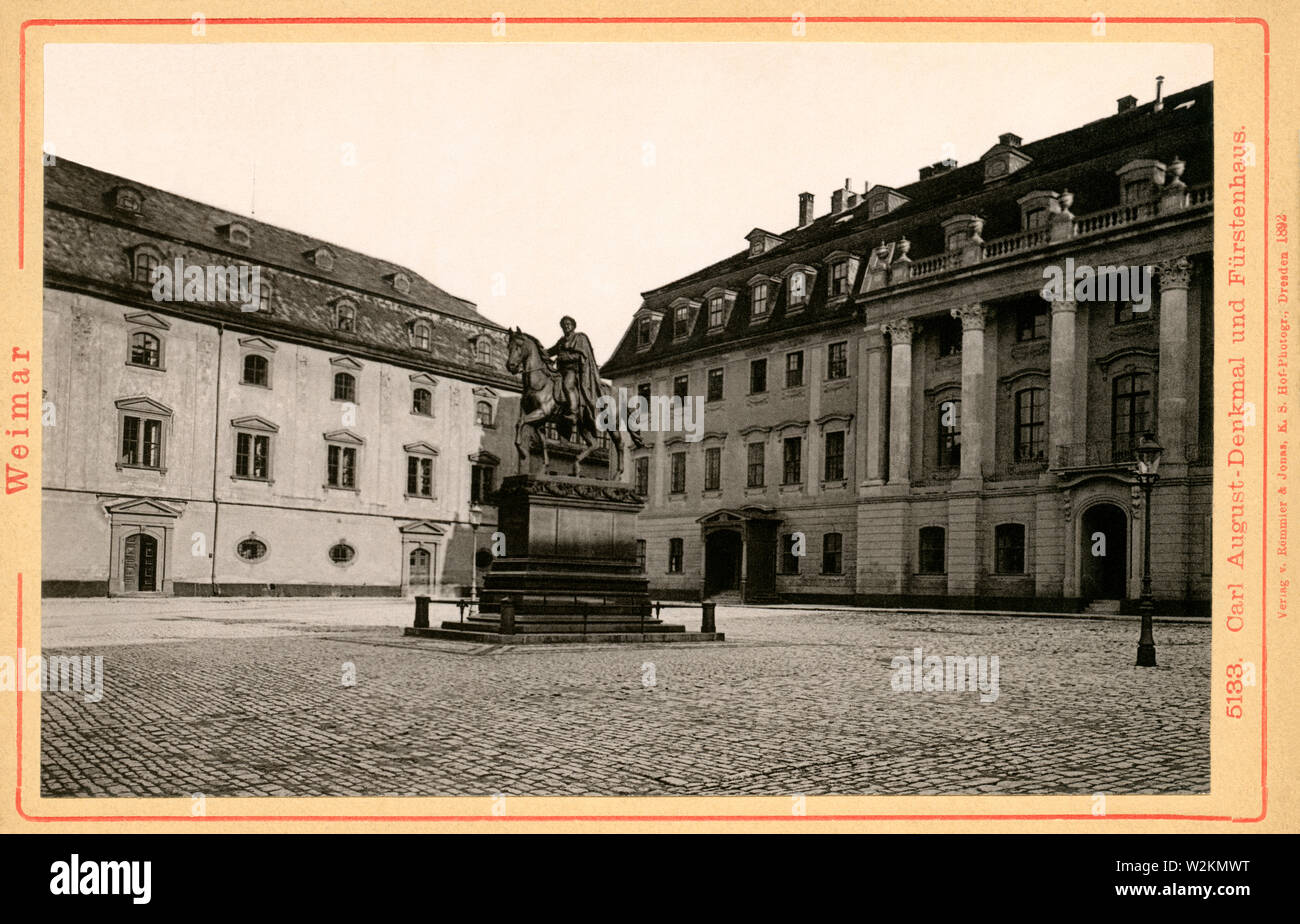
{"points": [[253, 422], [483, 457], [344, 436], [828, 419], [321, 258], [420, 446], [423, 378], [146, 319], [754, 428], [790, 426], [1149, 356], [345, 362], [142, 404], [257, 343], [1023, 377], [422, 528]]}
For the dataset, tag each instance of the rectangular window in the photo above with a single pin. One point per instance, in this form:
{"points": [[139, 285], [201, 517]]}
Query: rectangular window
{"points": [[949, 335], [715, 385], [675, 556], [832, 553], [758, 300], [643, 332], [681, 321], [716, 312], [681, 385], [757, 458], [1130, 413], [712, 469], [840, 278], [342, 467], [253, 456], [949, 420], [931, 559], [678, 485], [643, 390], [798, 290], [1031, 426], [789, 560], [642, 483], [419, 476], [837, 361], [481, 483], [794, 369], [1009, 548], [142, 442], [792, 457], [757, 376], [640, 555], [834, 469], [1032, 323]]}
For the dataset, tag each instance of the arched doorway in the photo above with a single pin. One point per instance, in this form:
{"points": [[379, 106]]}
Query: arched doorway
{"points": [[419, 570], [1103, 550], [140, 563], [722, 551]]}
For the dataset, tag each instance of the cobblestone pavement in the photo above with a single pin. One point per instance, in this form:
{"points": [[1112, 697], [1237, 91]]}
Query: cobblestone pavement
{"points": [[244, 698]]}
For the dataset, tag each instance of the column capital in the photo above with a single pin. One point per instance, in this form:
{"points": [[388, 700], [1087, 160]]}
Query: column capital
{"points": [[900, 331], [1175, 273], [972, 316], [1064, 306]]}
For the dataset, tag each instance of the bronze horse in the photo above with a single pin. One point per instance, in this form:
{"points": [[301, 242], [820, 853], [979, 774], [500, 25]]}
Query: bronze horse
{"points": [[543, 402]]}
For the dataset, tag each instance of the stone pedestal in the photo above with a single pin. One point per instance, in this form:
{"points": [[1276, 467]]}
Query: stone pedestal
{"points": [[570, 569]]}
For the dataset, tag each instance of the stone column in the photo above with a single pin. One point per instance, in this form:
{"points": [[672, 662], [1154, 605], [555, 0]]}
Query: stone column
{"points": [[972, 388], [871, 405], [900, 400], [1060, 399], [1174, 381]]}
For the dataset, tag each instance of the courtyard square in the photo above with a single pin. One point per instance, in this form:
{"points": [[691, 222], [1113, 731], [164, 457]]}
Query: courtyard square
{"points": [[324, 697]]}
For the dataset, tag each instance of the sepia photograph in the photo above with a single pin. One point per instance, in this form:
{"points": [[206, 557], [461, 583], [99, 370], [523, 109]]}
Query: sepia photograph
{"points": [[629, 419]]}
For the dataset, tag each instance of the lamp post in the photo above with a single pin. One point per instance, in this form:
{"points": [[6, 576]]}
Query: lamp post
{"points": [[1148, 453]]}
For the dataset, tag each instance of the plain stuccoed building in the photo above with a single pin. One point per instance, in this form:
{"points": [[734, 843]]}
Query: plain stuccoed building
{"points": [[340, 439], [887, 386]]}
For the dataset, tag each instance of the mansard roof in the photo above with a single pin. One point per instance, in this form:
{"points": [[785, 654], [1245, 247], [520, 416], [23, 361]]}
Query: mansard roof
{"points": [[1083, 159], [88, 241]]}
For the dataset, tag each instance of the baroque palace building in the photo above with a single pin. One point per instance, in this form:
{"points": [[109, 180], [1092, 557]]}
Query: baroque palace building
{"points": [[341, 437], [896, 414]]}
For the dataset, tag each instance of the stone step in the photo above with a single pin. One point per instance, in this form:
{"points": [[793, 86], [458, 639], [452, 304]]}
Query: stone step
{"points": [[1104, 606]]}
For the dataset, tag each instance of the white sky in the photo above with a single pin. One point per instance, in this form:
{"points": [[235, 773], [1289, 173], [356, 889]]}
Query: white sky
{"points": [[530, 161]]}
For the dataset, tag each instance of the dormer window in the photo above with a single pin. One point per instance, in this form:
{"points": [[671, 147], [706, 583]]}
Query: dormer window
{"points": [[798, 288], [401, 282], [421, 335], [760, 242], [684, 311], [881, 200], [483, 350], [144, 259], [321, 258], [1037, 208], [758, 301], [643, 332], [127, 199], [1004, 158], [843, 268], [345, 315], [1140, 180], [799, 282], [720, 302], [237, 233]]}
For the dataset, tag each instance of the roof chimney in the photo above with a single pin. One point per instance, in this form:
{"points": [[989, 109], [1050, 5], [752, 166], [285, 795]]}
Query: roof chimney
{"points": [[844, 198], [1010, 140], [805, 209], [1160, 102], [1126, 103]]}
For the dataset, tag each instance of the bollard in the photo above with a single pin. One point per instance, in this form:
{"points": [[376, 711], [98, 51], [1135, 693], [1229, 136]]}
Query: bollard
{"points": [[507, 616], [707, 623], [421, 612], [460, 605]]}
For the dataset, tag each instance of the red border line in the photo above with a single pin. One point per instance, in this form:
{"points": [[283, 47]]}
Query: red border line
{"points": [[652, 20]]}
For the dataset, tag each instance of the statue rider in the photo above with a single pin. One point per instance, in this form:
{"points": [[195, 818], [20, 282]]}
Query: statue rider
{"points": [[579, 372]]}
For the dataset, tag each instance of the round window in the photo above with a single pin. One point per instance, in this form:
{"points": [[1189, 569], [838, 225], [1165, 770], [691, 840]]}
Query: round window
{"points": [[341, 553], [251, 549]]}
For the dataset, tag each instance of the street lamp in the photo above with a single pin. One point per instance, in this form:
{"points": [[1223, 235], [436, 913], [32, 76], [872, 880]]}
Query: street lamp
{"points": [[1148, 454]]}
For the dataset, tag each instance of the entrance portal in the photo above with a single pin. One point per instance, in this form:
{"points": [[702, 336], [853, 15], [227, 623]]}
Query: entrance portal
{"points": [[418, 575], [1104, 550], [140, 563], [722, 551]]}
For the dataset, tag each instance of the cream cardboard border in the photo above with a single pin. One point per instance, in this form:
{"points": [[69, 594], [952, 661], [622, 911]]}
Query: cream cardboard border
{"points": [[1254, 48]]}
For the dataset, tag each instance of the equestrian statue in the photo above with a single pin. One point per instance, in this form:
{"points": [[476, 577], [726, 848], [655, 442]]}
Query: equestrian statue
{"points": [[561, 386]]}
